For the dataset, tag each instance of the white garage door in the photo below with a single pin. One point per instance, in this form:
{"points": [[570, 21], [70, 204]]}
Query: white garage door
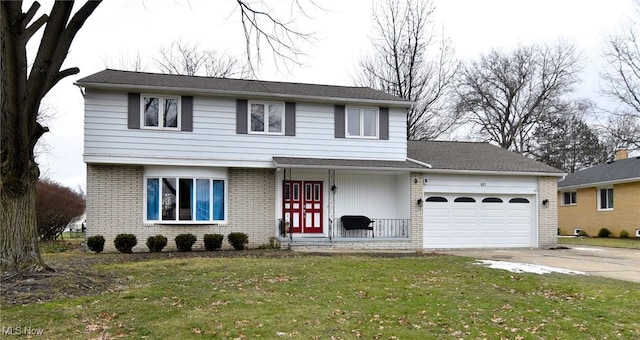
{"points": [[479, 221]]}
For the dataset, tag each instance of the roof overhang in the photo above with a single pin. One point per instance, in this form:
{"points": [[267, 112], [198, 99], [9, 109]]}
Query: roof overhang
{"points": [[349, 164], [227, 93], [494, 172], [598, 184]]}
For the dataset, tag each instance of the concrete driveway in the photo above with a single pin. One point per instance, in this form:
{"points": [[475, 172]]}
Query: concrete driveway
{"points": [[615, 263]]}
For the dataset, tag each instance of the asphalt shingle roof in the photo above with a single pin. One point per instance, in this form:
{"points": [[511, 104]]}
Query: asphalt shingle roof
{"points": [[620, 170], [473, 156], [345, 163], [124, 79]]}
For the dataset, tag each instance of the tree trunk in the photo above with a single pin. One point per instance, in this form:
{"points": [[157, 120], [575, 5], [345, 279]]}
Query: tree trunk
{"points": [[19, 250]]}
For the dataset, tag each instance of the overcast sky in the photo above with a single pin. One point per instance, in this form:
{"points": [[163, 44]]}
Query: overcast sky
{"points": [[122, 29]]}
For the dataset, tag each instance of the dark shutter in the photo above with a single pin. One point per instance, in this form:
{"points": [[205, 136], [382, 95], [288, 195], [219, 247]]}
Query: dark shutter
{"points": [[384, 123], [241, 116], [133, 118], [186, 123], [338, 113], [290, 119]]}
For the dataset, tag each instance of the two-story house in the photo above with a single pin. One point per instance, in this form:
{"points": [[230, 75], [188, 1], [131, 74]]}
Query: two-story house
{"points": [[170, 154]]}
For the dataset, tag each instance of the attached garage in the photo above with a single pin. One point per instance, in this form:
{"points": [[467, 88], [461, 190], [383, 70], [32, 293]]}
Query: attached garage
{"points": [[479, 221], [477, 195]]}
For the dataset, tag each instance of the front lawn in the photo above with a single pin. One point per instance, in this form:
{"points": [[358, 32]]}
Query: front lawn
{"points": [[631, 243], [280, 294]]}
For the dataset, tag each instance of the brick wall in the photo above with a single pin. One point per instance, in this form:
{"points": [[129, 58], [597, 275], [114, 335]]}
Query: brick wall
{"points": [[548, 216], [585, 214], [115, 205], [417, 211]]}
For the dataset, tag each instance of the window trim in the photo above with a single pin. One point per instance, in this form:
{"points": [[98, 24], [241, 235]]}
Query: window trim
{"points": [[266, 131], [193, 221], [573, 199], [361, 115], [599, 200], [161, 99]]}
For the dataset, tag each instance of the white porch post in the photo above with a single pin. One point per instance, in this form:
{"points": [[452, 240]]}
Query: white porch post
{"points": [[332, 201]]}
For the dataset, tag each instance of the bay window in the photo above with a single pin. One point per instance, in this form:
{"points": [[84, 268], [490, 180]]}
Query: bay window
{"points": [[184, 199]]}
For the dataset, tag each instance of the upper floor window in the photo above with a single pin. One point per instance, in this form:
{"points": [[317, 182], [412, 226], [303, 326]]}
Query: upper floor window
{"points": [[267, 118], [362, 122], [569, 198], [605, 199], [160, 112]]}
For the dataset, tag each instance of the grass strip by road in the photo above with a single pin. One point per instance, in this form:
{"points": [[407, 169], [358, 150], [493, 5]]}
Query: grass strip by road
{"points": [[630, 243], [336, 296]]}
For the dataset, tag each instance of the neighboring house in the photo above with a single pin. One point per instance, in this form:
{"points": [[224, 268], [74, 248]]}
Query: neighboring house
{"points": [[603, 196], [170, 154]]}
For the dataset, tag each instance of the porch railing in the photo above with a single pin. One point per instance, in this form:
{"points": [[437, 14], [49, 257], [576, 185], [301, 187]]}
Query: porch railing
{"points": [[382, 228]]}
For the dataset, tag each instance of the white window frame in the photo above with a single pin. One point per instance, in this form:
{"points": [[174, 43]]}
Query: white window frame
{"points": [[361, 118], [211, 174], [161, 100], [574, 196], [265, 131], [599, 200]]}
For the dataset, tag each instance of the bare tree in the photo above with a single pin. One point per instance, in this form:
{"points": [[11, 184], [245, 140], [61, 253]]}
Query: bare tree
{"points": [[56, 207], [190, 59], [504, 95], [22, 90], [412, 61], [622, 75], [621, 131], [621, 81]]}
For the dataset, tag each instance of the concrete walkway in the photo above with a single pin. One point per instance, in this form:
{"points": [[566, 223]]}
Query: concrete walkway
{"points": [[615, 263]]}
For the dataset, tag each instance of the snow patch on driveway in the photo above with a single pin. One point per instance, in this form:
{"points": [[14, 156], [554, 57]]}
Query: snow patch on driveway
{"points": [[516, 267]]}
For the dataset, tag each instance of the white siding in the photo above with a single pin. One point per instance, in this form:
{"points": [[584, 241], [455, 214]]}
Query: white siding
{"points": [[214, 136], [375, 196], [480, 184]]}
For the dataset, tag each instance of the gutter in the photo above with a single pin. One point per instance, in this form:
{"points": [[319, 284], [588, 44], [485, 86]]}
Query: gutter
{"points": [[599, 184], [186, 90]]}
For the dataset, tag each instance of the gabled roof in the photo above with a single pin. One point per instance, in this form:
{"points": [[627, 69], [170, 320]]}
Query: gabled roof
{"points": [[475, 157], [141, 81], [620, 171]]}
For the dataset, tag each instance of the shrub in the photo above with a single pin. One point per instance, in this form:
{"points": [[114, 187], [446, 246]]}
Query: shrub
{"points": [[95, 243], [583, 233], [238, 240], [184, 242], [213, 241], [125, 242], [604, 232], [624, 234], [156, 243]]}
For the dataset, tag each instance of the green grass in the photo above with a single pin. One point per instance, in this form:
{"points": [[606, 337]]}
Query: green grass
{"points": [[631, 243], [337, 296]]}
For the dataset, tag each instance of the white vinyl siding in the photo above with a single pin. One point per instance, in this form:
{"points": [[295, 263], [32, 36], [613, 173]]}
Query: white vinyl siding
{"points": [[214, 137]]}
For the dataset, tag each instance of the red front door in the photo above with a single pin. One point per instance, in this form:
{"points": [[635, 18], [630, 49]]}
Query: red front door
{"points": [[302, 203]]}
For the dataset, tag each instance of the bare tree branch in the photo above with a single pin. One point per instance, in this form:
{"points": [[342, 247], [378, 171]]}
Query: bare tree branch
{"points": [[260, 26]]}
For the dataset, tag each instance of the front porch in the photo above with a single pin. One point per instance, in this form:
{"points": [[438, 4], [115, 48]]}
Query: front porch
{"points": [[313, 195]]}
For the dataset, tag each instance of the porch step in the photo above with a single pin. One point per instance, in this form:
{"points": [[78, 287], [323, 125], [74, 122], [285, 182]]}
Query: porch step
{"points": [[306, 243]]}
